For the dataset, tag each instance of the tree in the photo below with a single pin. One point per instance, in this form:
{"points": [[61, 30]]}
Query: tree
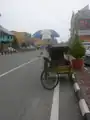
{"points": [[77, 48]]}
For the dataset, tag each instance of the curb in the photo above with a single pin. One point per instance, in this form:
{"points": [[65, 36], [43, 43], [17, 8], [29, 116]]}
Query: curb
{"points": [[82, 103]]}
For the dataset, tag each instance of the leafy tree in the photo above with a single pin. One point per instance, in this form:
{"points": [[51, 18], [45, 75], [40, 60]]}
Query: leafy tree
{"points": [[77, 48]]}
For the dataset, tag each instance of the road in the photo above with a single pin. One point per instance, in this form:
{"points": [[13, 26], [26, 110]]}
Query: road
{"points": [[8, 62], [69, 109], [23, 98]]}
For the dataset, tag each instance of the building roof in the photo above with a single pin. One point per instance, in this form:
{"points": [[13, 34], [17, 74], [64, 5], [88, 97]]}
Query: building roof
{"points": [[85, 8], [5, 30], [83, 13]]}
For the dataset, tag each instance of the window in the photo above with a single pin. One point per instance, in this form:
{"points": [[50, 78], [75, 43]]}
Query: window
{"points": [[88, 43]]}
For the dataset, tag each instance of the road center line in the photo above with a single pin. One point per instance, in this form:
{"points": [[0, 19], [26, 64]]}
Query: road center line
{"points": [[55, 104], [22, 65]]}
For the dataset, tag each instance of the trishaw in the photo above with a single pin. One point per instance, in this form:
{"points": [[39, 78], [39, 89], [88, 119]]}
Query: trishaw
{"points": [[55, 65]]}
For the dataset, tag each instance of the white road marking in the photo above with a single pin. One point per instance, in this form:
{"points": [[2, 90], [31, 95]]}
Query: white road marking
{"points": [[55, 105], [22, 65], [85, 68]]}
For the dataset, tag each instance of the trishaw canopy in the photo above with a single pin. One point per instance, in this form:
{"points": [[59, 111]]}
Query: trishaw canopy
{"points": [[57, 51], [62, 48]]}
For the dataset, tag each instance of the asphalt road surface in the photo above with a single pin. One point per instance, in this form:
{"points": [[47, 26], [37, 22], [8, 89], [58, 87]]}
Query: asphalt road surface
{"points": [[69, 109], [23, 98]]}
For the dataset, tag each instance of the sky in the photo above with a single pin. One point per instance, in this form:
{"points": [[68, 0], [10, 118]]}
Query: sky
{"points": [[32, 15]]}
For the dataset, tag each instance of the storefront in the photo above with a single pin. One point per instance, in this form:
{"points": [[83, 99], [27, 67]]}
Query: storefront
{"points": [[6, 38]]}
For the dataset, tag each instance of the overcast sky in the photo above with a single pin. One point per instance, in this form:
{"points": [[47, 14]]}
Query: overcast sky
{"points": [[32, 15]]}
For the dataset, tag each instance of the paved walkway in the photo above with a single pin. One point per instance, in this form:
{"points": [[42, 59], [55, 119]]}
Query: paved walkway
{"points": [[83, 78]]}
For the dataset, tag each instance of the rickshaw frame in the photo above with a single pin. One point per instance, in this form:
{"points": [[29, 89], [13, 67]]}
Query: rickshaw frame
{"points": [[57, 68]]}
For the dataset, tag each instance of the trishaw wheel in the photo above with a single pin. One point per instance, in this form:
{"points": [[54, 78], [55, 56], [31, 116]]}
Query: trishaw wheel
{"points": [[48, 83]]}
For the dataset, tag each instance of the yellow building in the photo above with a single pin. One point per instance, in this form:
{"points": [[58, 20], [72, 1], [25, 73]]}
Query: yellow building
{"points": [[20, 37]]}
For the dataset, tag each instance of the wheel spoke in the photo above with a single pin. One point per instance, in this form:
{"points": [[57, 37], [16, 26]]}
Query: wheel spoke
{"points": [[48, 81]]}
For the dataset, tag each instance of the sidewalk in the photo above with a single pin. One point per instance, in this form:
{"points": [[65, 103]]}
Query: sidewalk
{"points": [[83, 79]]}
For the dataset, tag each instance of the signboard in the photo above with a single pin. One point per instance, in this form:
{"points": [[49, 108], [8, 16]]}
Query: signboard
{"points": [[84, 24], [83, 32]]}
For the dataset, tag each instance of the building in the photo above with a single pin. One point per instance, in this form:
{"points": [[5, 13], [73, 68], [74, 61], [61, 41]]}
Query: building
{"points": [[80, 23], [47, 35], [22, 38], [6, 38]]}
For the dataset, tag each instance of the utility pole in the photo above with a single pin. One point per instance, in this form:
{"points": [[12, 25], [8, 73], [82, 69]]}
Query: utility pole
{"points": [[0, 16], [1, 45]]}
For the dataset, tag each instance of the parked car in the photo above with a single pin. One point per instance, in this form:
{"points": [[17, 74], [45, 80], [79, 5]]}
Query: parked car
{"points": [[10, 49], [32, 48], [87, 57]]}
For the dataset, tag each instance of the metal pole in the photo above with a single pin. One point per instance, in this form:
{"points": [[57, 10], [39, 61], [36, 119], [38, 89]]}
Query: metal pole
{"points": [[1, 44]]}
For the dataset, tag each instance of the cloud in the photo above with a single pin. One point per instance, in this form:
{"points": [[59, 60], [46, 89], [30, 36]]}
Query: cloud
{"points": [[31, 15]]}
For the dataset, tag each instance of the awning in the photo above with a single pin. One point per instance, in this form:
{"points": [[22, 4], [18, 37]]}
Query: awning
{"points": [[2, 29]]}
